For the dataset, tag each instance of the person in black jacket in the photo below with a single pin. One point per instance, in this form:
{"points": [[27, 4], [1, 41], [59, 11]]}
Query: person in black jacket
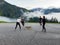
{"points": [[40, 20], [43, 24], [22, 21]]}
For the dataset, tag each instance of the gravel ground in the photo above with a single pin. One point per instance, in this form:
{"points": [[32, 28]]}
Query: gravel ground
{"points": [[34, 36]]}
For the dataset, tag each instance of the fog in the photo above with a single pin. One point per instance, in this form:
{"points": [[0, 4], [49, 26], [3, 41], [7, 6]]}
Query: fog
{"points": [[33, 14], [38, 14], [6, 19]]}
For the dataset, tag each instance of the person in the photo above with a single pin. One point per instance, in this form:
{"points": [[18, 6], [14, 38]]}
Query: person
{"points": [[22, 21], [43, 24], [18, 23], [40, 20]]}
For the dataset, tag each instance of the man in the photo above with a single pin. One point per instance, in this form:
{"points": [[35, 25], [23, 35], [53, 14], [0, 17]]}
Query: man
{"points": [[43, 24], [18, 23], [40, 20]]}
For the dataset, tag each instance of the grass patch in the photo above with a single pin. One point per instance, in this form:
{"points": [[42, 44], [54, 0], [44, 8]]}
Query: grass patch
{"points": [[3, 22]]}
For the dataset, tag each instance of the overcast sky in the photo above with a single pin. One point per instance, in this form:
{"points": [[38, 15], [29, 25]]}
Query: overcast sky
{"points": [[29, 4]]}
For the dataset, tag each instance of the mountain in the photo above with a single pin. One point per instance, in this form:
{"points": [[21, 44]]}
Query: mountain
{"points": [[35, 9], [46, 11], [52, 10], [1, 1], [11, 11]]}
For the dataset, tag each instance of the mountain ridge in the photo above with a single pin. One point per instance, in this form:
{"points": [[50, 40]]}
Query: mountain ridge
{"points": [[46, 11], [11, 11]]}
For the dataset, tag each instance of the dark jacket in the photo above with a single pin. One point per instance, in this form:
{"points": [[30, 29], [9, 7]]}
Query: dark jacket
{"points": [[40, 20]]}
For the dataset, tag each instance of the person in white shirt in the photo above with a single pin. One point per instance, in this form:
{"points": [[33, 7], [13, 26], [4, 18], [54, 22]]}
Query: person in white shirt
{"points": [[18, 23]]}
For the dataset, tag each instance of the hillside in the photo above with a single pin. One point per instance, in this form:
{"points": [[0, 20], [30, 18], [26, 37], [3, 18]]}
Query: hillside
{"points": [[11, 11]]}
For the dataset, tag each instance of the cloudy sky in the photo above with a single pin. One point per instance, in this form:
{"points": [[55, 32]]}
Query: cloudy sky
{"points": [[29, 4]]}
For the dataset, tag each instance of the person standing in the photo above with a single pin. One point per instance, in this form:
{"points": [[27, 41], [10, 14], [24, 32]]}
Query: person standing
{"points": [[40, 20], [43, 24], [18, 23]]}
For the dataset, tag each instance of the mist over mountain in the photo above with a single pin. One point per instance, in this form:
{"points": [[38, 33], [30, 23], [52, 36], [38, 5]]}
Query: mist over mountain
{"points": [[46, 11], [35, 9], [10, 11]]}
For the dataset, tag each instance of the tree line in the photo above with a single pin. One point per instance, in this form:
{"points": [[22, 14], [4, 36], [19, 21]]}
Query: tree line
{"points": [[36, 19]]}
